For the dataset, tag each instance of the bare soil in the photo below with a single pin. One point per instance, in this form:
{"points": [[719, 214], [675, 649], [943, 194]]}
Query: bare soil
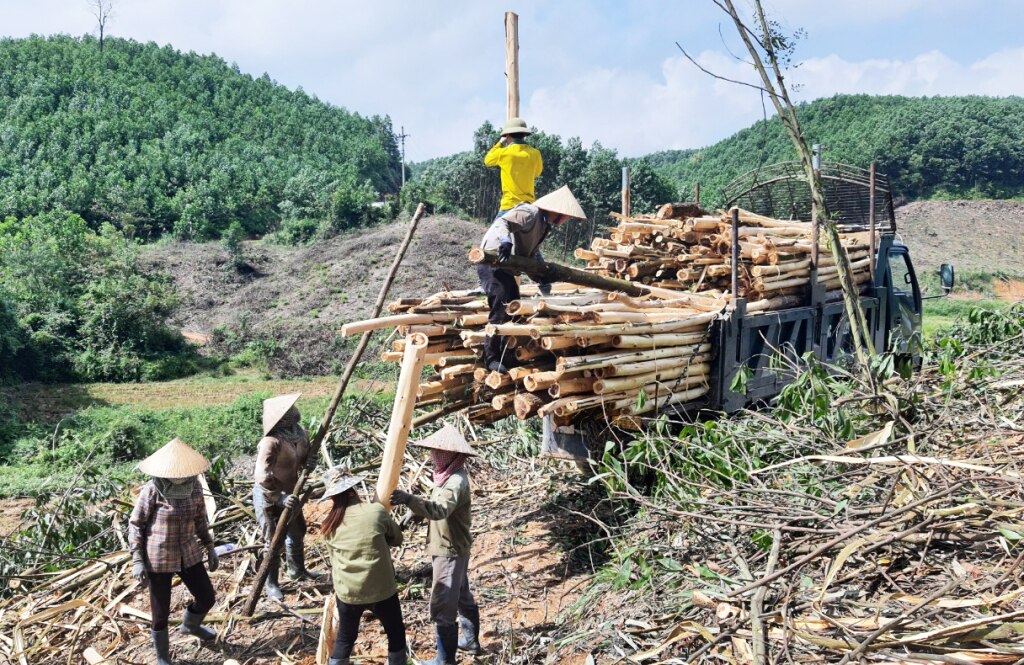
{"points": [[975, 236]]}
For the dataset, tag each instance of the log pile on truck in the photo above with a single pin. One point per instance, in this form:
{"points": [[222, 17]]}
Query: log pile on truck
{"points": [[583, 349]]}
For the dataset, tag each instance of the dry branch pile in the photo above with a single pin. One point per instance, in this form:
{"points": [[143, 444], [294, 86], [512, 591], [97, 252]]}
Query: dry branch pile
{"points": [[585, 350], [784, 537]]}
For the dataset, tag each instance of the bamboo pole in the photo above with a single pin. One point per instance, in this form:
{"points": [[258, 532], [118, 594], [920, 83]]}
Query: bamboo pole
{"points": [[282, 524]]}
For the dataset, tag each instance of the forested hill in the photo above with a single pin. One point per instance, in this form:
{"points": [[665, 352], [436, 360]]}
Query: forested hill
{"points": [[931, 147], [155, 141]]}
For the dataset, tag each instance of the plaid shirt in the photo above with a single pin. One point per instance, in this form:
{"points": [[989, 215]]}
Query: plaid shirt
{"points": [[168, 532]]}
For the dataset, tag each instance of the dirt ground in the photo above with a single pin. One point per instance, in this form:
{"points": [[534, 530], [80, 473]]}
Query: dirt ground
{"points": [[10, 514], [975, 236], [522, 573]]}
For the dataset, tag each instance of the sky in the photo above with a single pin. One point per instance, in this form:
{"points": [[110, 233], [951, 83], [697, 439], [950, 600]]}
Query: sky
{"points": [[603, 70]]}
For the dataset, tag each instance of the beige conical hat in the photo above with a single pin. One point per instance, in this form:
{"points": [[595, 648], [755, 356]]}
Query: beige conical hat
{"points": [[561, 201], [275, 408], [447, 438], [341, 484], [175, 460]]}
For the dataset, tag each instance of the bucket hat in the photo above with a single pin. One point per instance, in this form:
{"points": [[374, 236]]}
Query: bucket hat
{"points": [[447, 438], [275, 408], [561, 201], [174, 460], [340, 484], [516, 126]]}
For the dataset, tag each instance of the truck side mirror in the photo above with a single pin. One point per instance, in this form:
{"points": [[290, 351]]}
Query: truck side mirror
{"points": [[946, 277]]}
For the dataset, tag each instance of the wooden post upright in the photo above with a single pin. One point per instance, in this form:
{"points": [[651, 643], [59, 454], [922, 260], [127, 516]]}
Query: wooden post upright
{"points": [[512, 63]]}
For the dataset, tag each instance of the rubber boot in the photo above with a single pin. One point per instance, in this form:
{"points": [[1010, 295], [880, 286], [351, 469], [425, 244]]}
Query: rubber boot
{"points": [[469, 632], [398, 657], [295, 559], [339, 661], [162, 647], [272, 587], [447, 642], [192, 624]]}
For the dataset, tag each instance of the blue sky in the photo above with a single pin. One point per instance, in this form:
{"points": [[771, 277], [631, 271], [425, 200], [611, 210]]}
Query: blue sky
{"points": [[607, 71]]}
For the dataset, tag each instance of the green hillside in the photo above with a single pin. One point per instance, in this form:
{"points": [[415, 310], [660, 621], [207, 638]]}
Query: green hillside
{"points": [[155, 141], [931, 147]]}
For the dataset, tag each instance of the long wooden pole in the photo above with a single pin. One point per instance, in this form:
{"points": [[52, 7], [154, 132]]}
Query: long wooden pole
{"points": [[871, 220], [626, 193], [512, 63], [401, 417], [553, 272], [321, 433]]}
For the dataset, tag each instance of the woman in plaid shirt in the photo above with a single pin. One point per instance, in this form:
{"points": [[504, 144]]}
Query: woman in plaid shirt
{"points": [[167, 533]]}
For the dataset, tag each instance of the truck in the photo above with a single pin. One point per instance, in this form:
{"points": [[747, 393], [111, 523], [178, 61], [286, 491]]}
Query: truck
{"points": [[859, 200]]}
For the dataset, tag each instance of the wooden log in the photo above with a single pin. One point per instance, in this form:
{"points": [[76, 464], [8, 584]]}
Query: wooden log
{"points": [[527, 404], [540, 380], [656, 341], [428, 388], [519, 373], [574, 363], [688, 374], [497, 380], [557, 342], [452, 371], [565, 387], [401, 418], [545, 271], [649, 366], [356, 327], [503, 401]]}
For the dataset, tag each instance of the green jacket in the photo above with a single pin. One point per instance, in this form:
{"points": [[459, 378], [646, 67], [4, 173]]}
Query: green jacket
{"points": [[448, 511], [360, 558]]}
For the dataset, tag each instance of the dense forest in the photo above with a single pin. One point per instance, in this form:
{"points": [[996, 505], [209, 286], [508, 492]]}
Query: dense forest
{"points": [[153, 141], [931, 147], [461, 183]]}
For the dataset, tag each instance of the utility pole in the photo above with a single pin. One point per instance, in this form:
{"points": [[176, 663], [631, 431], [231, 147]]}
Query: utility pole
{"points": [[402, 137], [512, 64]]}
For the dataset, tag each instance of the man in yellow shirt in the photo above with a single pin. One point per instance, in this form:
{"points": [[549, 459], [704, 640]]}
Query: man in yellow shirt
{"points": [[520, 165]]}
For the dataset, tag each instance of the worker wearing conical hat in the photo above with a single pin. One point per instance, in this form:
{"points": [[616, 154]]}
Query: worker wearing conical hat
{"points": [[359, 537], [518, 232], [449, 543], [281, 454], [167, 534], [520, 165]]}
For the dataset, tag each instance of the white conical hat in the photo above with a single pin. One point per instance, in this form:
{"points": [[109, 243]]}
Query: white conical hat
{"points": [[562, 201], [447, 438], [275, 408], [175, 460]]}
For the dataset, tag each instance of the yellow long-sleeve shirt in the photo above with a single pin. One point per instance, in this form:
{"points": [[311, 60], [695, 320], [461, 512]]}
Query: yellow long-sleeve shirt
{"points": [[520, 165]]}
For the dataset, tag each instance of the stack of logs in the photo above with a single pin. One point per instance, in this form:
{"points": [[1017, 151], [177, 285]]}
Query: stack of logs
{"points": [[695, 253], [586, 350]]}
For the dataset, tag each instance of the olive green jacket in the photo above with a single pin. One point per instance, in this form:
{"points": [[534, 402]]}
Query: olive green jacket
{"points": [[360, 559], [448, 510]]}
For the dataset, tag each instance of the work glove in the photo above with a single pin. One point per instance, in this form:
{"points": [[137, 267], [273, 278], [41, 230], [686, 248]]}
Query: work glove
{"points": [[289, 501], [545, 289], [400, 498], [212, 560], [504, 250], [139, 573]]}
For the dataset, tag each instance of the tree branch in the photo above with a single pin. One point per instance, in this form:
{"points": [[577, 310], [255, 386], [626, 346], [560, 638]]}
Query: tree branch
{"points": [[717, 76]]}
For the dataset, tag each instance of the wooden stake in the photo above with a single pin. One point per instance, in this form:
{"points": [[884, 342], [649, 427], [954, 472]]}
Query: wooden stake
{"points": [[512, 63], [401, 418]]}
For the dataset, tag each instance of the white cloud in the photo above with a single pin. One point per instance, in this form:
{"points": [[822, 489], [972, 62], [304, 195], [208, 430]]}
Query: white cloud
{"points": [[685, 108]]}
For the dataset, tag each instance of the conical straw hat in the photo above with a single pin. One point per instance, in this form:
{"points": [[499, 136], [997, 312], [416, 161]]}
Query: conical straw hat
{"points": [[561, 201], [275, 408], [341, 484], [175, 460], [447, 438]]}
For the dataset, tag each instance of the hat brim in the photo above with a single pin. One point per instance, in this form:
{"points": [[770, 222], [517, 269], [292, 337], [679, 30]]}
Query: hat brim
{"points": [[516, 131]]}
